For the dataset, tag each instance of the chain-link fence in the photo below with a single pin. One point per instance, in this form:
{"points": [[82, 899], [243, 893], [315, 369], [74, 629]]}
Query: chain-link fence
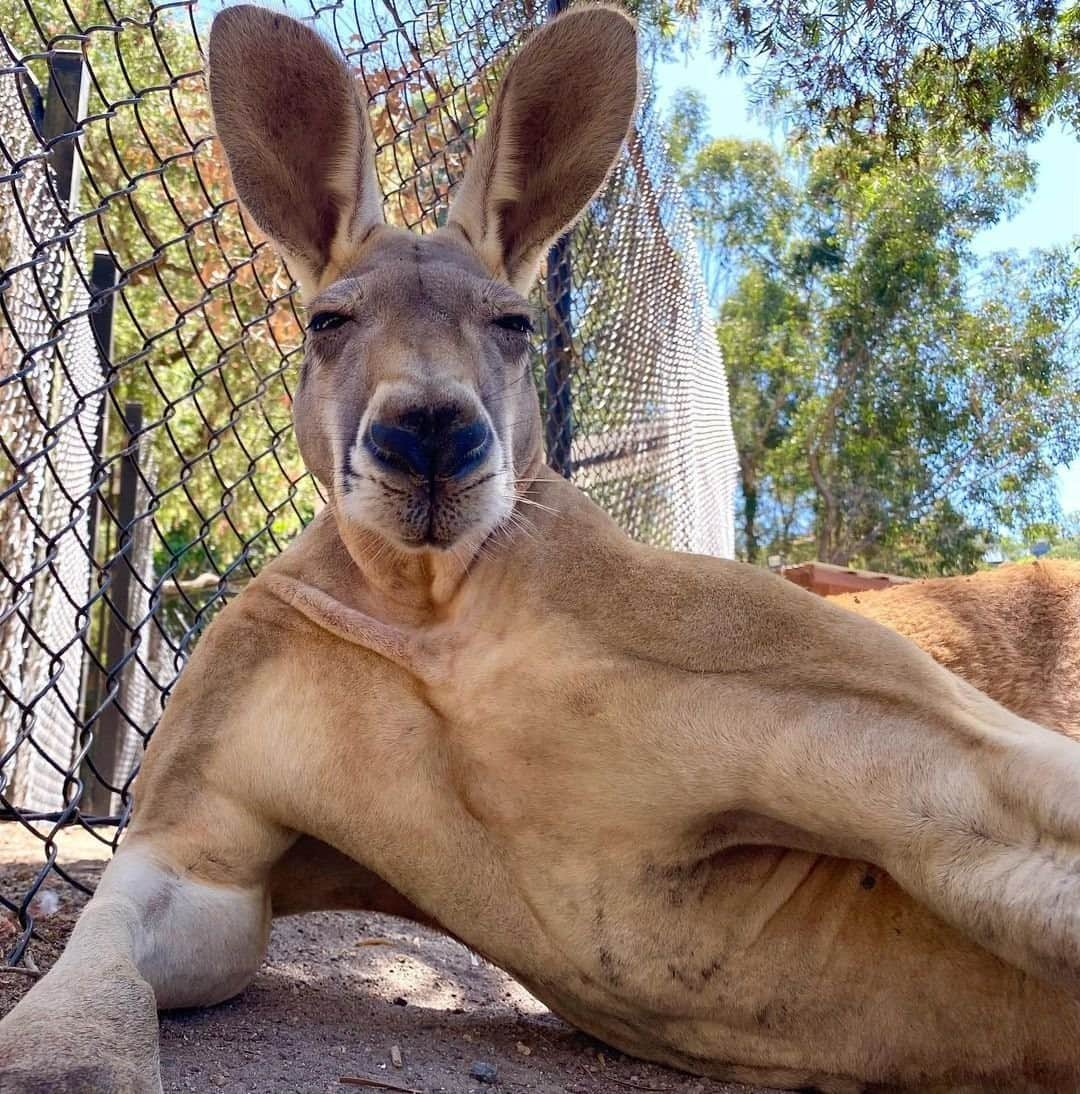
{"points": [[149, 338]]}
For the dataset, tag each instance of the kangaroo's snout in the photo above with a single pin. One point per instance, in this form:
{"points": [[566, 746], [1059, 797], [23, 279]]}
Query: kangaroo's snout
{"points": [[431, 443], [426, 465]]}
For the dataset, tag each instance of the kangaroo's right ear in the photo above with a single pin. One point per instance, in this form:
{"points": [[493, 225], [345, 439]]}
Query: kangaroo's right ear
{"points": [[297, 140], [564, 105]]}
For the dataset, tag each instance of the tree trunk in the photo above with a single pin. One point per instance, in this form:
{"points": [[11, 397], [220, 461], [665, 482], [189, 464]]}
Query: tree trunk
{"points": [[750, 505]]}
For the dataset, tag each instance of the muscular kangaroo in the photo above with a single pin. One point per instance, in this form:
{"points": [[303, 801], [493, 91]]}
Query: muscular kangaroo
{"points": [[708, 817]]}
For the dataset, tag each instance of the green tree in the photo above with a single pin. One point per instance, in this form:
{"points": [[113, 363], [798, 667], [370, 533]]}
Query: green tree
{"points": [[984, 71], [894, 401], [1059, 540]]}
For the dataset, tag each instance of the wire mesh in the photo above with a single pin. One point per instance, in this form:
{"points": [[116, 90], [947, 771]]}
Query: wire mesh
{"points": [[149, 338]]}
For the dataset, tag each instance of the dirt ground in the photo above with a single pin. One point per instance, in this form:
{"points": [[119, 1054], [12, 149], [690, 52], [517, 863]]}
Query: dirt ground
{"points": [[351, 996]]}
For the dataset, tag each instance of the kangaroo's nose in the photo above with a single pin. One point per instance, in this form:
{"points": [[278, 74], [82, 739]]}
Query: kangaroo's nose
{"points": [[430, 443]]}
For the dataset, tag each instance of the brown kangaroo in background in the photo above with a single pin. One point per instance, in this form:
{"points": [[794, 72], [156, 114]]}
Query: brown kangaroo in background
{"points": [[1013, 632], [704, 815]]}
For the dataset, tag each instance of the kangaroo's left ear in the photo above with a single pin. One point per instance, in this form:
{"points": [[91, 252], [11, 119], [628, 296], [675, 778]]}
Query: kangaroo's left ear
{"points": [[558, 123], [297, 139]]}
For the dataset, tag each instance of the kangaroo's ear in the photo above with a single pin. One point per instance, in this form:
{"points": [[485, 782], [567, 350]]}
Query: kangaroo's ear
{"points": [[558, 122], [297, 140]]}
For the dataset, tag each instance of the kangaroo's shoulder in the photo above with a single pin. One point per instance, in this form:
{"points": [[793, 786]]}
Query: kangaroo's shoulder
{"points": [[693, 612]]}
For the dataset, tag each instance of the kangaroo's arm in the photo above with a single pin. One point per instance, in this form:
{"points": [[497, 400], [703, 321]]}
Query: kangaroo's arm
{"points": [[972, 810], [863, 742], [181, 916]]}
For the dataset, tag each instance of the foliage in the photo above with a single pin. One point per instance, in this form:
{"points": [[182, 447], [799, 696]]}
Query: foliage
{"points": [[1059, 540], [894, 403], [894, 71]]}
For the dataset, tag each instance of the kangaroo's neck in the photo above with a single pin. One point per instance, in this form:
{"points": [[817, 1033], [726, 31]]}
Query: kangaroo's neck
{"points": [[413, 583]]}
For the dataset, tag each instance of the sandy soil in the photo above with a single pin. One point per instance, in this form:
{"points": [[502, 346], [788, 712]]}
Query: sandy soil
{"points": [[346, 995]]}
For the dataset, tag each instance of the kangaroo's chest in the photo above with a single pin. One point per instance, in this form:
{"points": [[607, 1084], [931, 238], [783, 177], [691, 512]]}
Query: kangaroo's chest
{"points": [[533, 814], [529, 809]]}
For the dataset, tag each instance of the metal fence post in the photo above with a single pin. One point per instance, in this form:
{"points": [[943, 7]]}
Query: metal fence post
{"points": [[106, 748], [103, 278], [58, 115], [65, 105], [558, 360], [558, 344]]}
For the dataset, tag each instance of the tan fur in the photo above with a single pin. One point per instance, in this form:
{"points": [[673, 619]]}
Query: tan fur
{"points": [[1013, 632], [315, 193], [706, 816], [564, 107]]}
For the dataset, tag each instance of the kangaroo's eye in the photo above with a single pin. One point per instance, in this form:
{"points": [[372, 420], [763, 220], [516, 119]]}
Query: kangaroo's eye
{"points": [[520, 324], [326, 320]]}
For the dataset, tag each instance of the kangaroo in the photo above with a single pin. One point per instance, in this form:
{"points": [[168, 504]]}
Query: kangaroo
{"points": [[1013, 632], [706, 816]]}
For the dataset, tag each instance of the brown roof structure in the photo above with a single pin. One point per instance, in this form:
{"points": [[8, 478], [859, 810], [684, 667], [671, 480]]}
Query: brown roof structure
{"points": [[827, 580]]}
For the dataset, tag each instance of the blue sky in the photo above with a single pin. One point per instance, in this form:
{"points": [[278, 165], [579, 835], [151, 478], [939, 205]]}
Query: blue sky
{"points": [[1051, 214]]}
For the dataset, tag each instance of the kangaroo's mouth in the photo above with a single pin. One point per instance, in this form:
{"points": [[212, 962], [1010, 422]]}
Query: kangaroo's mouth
{"points": [[430, 513]]}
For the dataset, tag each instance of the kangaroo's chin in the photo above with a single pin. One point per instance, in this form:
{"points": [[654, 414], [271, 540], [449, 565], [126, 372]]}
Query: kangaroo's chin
{"points": [[420, 517]]}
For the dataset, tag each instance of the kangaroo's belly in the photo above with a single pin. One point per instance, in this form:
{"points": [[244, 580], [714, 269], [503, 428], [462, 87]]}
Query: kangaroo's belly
{"points": [[788, 969]]}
